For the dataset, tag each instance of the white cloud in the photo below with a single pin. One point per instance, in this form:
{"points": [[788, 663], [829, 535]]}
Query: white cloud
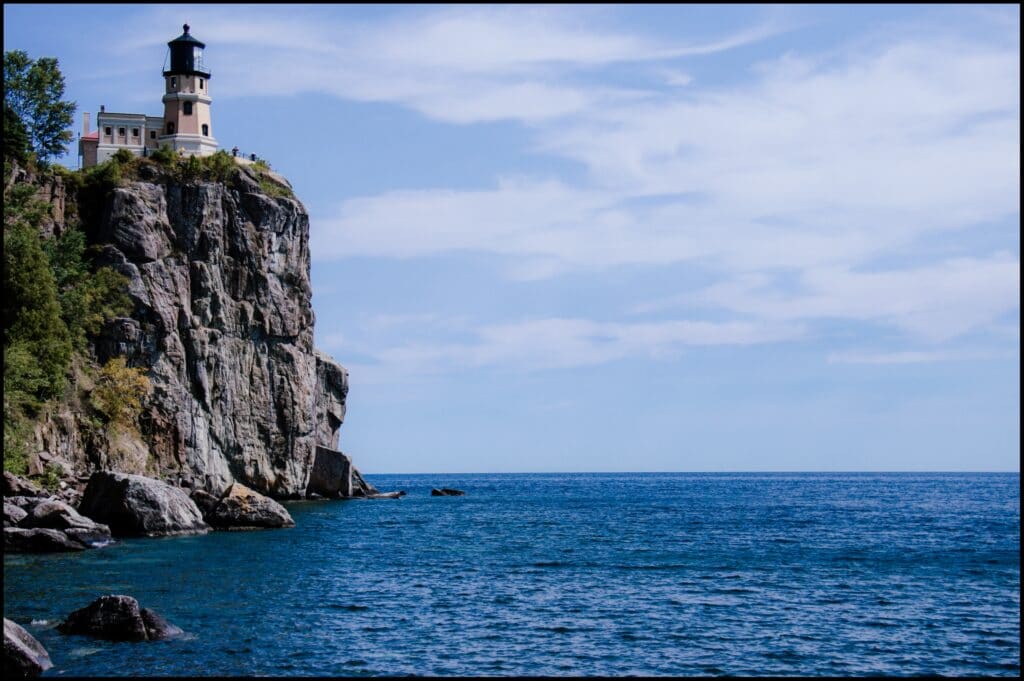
{"points": [[935, 302], [565, 343], [905, 357]]}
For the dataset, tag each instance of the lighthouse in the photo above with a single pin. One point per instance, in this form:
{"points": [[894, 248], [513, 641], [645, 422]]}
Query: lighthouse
{"points": [[187, 126]]}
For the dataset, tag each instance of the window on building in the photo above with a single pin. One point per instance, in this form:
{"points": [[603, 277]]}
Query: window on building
{"points": [[187, 108], [152, 134], [174, 82], [202, 83], [206, 130], [107, 131], [120, 132], [135, 132], [170, 127]]}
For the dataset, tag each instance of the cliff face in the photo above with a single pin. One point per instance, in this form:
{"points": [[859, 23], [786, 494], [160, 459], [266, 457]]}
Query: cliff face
{"points": [[223, 322]]}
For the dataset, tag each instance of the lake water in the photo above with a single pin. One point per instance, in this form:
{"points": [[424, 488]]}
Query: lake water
{"points": [[572, 574]]}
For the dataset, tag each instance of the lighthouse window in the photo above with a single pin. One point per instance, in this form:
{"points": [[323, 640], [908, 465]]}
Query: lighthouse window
{"points": [[174, 82], [188, 108], [206, 130], [201, 83]]}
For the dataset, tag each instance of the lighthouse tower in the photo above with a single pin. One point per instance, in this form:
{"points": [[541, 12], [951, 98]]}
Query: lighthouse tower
{"points": [[187, 126]]}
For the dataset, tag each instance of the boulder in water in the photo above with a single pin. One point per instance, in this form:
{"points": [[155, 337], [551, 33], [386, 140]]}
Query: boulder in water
{"points": [[118, 618], [24, 656], [56, 515], [133, 505], [446, 492], [39, 540], [242, 508]]}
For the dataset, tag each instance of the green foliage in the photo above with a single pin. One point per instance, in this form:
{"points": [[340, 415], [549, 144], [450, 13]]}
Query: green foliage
{"points": [[31, 308], [272, 188], [34, 89], [103, 177], [17, 436], [16, 144], [124, 157], [192, 169], [164, 155], [87, 299], [261, 165], [220, 166], [50, 479], [118, 393]]}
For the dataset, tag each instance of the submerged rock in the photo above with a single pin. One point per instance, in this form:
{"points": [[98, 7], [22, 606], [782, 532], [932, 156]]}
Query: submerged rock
{"points": [[387, 495], [446, 492], [118, 618], [241, 507], [135, 505], [24, 656], [39, 540]]}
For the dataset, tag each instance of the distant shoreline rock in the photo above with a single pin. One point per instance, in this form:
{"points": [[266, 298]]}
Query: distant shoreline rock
{"points": [[447, 492]]}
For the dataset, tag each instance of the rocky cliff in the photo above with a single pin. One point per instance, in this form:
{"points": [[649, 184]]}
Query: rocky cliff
{"points": [[223, 324]]}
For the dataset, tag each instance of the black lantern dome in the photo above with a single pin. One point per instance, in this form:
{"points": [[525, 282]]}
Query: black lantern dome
{"points": [[187, 56]]}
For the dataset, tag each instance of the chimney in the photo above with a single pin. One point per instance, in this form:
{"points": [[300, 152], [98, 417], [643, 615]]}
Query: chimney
{"points": [[85, 124], [102, 108]]}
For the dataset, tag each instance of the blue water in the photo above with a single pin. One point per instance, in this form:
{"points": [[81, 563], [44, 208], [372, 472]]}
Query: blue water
{"points": [[576, 574]]}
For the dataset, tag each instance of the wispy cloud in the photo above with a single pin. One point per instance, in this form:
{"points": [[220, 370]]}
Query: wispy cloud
{"points": [[557, 343]]}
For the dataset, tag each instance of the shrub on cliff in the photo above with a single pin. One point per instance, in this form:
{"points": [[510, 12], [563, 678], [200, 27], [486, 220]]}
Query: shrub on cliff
{"points": [[164, 155], [87, 299], [220, 165], [118, 393]]}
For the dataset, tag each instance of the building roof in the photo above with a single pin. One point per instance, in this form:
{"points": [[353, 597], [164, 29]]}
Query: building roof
{"points": [[94, 135], [186, 37], [107, 114]]}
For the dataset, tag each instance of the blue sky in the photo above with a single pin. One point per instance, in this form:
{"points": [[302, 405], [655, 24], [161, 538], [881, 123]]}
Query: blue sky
{"points": [[620, 238]]}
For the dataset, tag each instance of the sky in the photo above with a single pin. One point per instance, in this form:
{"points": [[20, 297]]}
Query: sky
{"points": [[628, 238]]}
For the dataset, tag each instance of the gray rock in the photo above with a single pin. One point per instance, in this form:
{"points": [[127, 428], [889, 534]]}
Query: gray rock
{"points": [[222, 323], [387, 495], [26, 503], [118, 618], [15, 486], [39, 540], [13, 514], [136, 505], [56, 515], [446, 492], [331, 475], [205, 502], [24, 656], [361, 488], [242, 508]]}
